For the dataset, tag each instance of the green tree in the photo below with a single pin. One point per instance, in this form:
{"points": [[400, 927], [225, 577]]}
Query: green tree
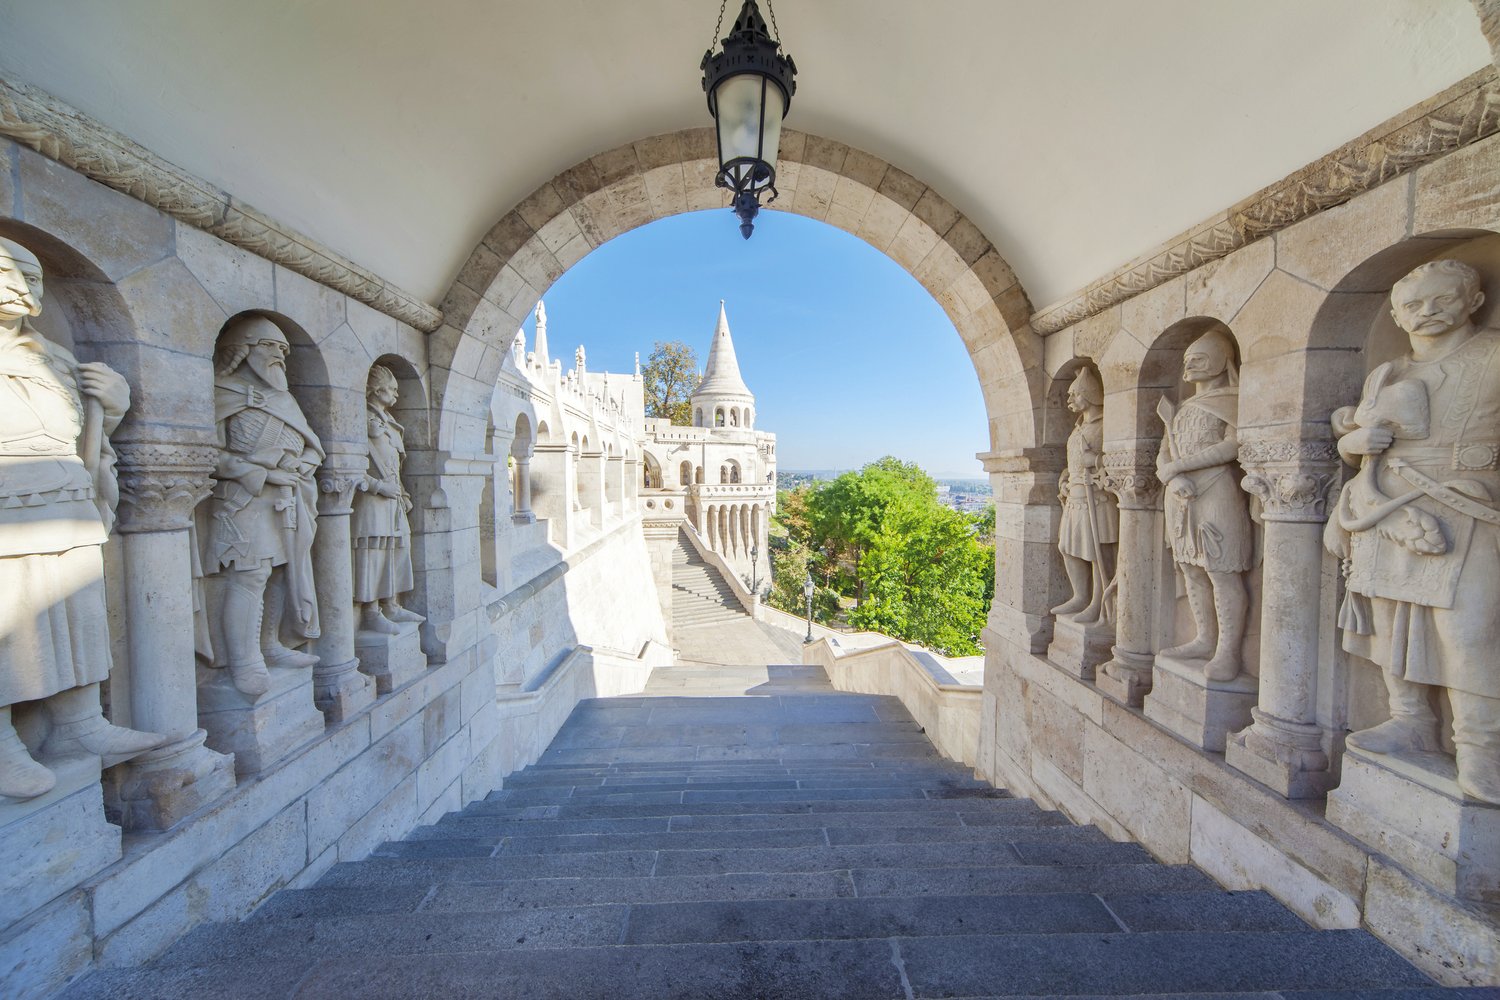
{"points": [[669, 377], [918, 570]]}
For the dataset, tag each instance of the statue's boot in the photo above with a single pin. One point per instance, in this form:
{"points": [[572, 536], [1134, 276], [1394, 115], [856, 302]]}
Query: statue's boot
{"points": [[371, 620], [79, 727], [1079, 579], [1206, 632], [20, 776], [1479, 773], [1411, 727], [393, 611], [243, 607], [276, 653], [1230, 605]]}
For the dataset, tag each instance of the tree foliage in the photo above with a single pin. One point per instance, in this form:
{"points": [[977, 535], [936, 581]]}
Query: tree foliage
{"points": [[917, 570], [669, 377]]}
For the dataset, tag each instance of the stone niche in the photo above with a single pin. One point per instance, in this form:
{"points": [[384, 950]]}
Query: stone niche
{"points": [[1206, 612], [1406, 802]]}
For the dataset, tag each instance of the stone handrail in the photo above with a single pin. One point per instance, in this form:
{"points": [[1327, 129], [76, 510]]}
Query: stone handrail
{"points": [[947, 713], [750, 602]]}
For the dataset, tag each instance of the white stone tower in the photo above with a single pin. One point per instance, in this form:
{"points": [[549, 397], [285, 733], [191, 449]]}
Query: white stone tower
{"points": [[722, 399]]}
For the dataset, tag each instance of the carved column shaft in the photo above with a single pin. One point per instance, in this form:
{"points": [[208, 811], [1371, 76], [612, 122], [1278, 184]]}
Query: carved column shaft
{"points": [[1026, 517], [338, 687], [523, 514], [1130, 474], [160, 485], [1283, 747]]}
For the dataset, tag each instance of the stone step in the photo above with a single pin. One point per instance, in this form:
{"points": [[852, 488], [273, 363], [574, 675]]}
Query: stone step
{"points": [[971, 807], [553, 927], [468, 843], [1152, 963], [658, 796]]}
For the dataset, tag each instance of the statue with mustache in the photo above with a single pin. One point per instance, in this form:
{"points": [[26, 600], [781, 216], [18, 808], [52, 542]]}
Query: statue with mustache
{"points": [[259, 535], [57, 505]]}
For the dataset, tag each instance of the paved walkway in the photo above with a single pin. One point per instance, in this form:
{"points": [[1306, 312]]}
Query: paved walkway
{"points": [[748, 834]]}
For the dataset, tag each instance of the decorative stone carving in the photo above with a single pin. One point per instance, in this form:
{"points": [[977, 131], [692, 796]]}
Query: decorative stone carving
{"points": [[161, 485], [1207, 515], [1418, 527], [57, 501], [262, 515], [38, 120], [1291, 479], [1090, 520], [1463, 118], [381, 531], [1130, 475]]}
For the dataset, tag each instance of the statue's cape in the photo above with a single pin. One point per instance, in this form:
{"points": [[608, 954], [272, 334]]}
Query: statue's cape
{"points": [[232, 394], [1223, 402]]}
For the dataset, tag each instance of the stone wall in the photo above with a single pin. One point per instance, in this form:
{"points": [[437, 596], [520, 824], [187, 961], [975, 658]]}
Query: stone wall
{"points": [[1077, 716], [256, 793]]}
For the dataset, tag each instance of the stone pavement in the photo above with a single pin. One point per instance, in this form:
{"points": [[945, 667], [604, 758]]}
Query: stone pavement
{"points": [[749, 833]]}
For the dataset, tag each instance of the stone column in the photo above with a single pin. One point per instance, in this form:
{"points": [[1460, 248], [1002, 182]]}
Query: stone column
{"points": [[523, 513], [160, 485], [1283, 747], [1130, 474], [1026, 517], [339, 689]]}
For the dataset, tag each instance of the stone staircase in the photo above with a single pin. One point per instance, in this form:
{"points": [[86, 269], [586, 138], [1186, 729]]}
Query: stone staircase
{"points": [[786, 842], [699, 594]]}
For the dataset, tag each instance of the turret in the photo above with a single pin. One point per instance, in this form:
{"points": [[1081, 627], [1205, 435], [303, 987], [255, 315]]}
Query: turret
{"points": [[722, 399]]}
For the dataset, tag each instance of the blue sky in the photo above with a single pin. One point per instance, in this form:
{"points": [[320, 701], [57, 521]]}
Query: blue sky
{"points": [[849, 358]]}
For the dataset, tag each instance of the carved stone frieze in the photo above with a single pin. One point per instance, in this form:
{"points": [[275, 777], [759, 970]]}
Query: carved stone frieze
{"points": [[161, 484], [1292, 479], [1130, 474], [59, 132], [1464, 114]]}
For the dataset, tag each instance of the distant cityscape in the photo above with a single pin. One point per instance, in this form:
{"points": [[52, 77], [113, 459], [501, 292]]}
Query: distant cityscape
{"points": [[971, 496]]}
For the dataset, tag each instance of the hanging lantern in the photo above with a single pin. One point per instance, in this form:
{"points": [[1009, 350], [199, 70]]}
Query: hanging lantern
{"points": [[750, 86]]}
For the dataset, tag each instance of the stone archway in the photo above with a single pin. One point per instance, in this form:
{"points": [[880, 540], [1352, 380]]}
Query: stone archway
{"points": [[619, 190]]}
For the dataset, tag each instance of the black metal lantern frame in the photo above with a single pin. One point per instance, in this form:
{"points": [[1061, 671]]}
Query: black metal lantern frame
{"points": [[745, 81]]}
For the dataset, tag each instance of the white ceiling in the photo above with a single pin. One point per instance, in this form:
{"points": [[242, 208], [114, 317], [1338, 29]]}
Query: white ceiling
{"points": [[1075, 133]]}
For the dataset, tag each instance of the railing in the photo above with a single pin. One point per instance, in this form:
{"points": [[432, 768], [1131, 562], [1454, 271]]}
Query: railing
{"points": [[750, 602], [948, 712]]}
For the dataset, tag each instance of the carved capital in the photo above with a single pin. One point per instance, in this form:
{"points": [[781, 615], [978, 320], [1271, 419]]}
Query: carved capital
{"points": [[336, 490], [160, 484], [1130, 474], [1292, 479]]}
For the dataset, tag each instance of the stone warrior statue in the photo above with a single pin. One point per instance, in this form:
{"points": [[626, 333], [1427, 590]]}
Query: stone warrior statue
{"points": [[1207, 515], [382, 534], [57, 500], [1418, 526], [261, 515], [1090, 520]]}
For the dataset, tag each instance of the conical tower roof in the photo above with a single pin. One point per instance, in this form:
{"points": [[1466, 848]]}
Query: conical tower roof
{"points": [[722, 377]]}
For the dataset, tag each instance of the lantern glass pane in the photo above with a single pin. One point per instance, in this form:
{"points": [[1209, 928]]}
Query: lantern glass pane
{"points": [[738, 100]]}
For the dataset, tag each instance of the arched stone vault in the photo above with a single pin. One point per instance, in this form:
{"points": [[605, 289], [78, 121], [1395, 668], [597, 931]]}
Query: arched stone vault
{"points": [[614, 192]]}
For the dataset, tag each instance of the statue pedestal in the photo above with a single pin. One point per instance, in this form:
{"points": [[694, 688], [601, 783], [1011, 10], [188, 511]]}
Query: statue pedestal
{"points": [[162, 787], [1408, 807], [1201, 711], [258, 731], [54, 841], [393, 660], [341, 692], [1078, 649], [1126, 677]]}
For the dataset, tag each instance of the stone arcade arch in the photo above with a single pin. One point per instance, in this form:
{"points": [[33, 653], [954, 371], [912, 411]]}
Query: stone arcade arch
{"points": [[657, 177]]}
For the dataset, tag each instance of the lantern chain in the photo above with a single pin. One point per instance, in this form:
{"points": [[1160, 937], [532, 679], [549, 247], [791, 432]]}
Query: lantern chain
{"points": [[775, 31], [718, 27]]}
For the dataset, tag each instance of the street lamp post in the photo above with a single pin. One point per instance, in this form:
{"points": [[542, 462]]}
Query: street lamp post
{"points": [[754, 568], [807, 592]]}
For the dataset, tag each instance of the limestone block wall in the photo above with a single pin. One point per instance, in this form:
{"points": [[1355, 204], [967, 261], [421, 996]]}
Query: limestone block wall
{"points": [[1068, 717], [378, 737]]}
